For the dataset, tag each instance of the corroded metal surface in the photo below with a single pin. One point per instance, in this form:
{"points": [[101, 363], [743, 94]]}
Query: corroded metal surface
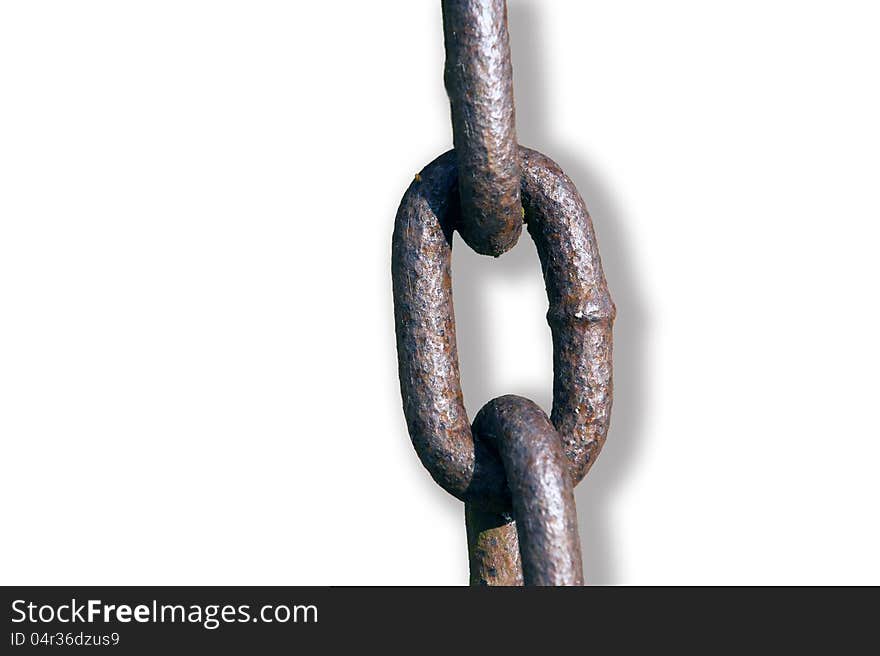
{"points": [[514, 468], [426, 350], [540, 488], [479, 81], [581, 312], [580, 316], [493, 547]]}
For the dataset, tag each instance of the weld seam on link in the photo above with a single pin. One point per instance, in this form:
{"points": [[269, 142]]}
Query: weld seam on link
{"points": [[427, 352]]}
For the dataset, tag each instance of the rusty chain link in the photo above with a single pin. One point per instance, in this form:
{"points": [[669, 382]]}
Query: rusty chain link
{"points": [[514, 468], [479, 80]]}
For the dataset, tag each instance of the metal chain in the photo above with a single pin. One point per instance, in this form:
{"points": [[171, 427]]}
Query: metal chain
{"points": [[479, 80], [514, 468]]}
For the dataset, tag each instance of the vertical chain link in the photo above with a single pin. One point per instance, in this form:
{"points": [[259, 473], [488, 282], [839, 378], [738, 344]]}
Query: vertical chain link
{"points": [[514, 468], [479, 81]]}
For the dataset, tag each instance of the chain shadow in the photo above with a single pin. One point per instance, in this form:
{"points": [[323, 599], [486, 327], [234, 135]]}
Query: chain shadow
{"points": [[596, 493]]}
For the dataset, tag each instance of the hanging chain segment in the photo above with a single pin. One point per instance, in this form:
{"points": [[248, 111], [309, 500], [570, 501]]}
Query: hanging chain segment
{"points": [[493, 547], [514, 469], [479, 81], [540, 489]]}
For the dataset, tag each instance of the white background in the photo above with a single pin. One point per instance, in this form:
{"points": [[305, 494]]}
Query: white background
{"points": [[197, 365]]}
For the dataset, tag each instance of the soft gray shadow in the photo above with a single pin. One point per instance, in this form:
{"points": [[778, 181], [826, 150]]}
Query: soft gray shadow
{"points": [[595, 493]]}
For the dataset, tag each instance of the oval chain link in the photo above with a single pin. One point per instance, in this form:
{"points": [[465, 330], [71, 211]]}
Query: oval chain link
{"points": [[514, 464]]}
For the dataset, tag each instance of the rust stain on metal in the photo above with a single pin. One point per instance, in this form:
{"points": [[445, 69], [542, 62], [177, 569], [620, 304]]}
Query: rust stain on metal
{"points": [[493, 548]]}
